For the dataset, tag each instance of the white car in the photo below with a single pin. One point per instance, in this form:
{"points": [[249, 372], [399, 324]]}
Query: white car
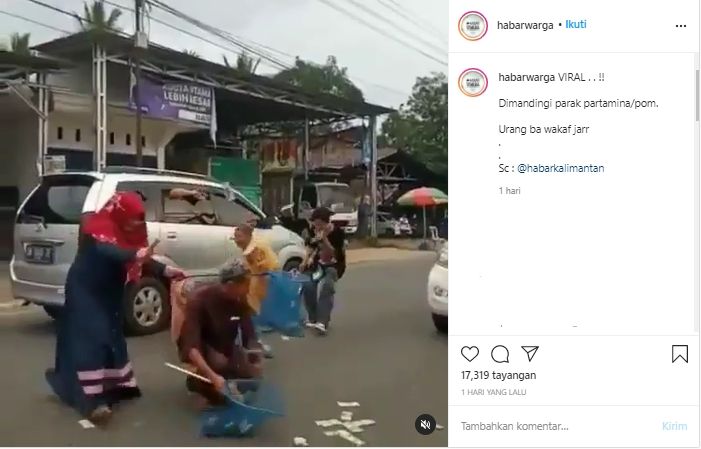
{"points": [[438, 291], [196, 237]]}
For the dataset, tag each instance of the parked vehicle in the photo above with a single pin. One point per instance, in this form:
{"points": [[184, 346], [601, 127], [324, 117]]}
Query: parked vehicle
{"points": [[438, 291], [196, 237], [389, 226], [386, 225], [334, 195]]}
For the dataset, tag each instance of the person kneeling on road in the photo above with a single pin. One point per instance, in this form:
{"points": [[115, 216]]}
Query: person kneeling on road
{"points": [[216, 316]]}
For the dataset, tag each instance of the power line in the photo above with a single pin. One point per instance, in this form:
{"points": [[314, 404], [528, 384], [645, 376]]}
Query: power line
{"points": [[35, 22], [218, 32], [200, 25], [397, 10], [425, 23], [397, 27], [181, 30], [382, 32], [72, 15], [59, 10]]}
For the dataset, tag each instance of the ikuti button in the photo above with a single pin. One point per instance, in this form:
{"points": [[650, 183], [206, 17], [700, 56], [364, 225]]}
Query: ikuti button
{"points": [[680, 353]]}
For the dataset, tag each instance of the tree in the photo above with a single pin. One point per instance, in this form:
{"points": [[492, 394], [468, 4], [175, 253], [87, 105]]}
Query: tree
{"points": [[19, 43], [95, 17], [421, 125], [244, 63], [192, 53], [328, 78]]}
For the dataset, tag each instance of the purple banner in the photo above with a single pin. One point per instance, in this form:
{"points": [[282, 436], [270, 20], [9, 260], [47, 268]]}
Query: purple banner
{"points": [[176, 100]]}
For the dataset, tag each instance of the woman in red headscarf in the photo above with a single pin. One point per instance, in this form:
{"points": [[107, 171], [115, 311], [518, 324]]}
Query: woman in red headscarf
{"points": [[92, 369]]}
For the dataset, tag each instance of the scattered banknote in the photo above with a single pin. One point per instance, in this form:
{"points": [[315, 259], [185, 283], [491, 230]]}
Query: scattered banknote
{"points": [[348, 404], [346, 435], [357, 426], [299, 441], [86, 424], [328, 423]]}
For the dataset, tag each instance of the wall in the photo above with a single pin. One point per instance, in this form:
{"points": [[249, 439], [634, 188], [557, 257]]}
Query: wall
{"points": [[74, 111], [18, 152]]}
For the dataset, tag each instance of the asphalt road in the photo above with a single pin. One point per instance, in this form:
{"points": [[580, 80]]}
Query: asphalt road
{"points": [[382, 352]]}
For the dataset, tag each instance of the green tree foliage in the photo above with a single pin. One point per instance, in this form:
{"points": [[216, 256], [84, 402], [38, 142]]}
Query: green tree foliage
{"points": [[328, 78], [96, 18], [421, 125], [19, 43], [244, 63]]}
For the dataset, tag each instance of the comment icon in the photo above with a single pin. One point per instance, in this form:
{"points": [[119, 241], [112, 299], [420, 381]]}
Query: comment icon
{"points": [[500, 354]]}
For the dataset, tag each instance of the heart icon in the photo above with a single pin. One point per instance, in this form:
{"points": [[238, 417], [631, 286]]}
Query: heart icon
{"points": [[470, 352]]}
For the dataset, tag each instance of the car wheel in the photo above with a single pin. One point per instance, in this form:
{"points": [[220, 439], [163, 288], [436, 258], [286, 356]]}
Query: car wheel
{"points": [[146, 307], [292, 265], [53, 311], [441, 323]]}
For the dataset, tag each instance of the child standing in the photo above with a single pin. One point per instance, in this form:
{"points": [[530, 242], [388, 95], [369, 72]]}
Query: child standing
{"points": [[259, 259]]}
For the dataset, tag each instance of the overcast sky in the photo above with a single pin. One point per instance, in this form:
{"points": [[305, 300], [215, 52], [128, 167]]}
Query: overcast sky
{"points": [[385, 70]]}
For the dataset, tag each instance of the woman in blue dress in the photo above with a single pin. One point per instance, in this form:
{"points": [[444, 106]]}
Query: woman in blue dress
{"points": [[92, 370]]}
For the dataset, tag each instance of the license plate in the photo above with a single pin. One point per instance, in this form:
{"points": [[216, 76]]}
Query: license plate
{"points": [[43, 254]]}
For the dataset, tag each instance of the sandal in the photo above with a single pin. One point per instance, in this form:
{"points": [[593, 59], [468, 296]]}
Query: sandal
{"points": [[101, 415]]}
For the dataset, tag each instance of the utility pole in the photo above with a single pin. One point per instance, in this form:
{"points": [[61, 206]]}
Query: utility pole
{"points": [[373, 176], [140, 43]]}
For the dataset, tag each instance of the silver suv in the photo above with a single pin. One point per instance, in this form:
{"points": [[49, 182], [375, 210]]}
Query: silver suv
{"points": [[196, 237]]}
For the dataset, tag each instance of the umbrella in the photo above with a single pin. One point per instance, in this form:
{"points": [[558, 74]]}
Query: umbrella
{"points": [[422, 197]]}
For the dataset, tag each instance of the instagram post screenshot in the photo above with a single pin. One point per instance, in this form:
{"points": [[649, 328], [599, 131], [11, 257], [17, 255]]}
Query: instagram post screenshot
{"points": [[574, 149], [224, 223]]}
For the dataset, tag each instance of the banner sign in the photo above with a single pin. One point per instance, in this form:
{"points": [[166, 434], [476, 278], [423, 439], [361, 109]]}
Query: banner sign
{"points": [[176, 100]]}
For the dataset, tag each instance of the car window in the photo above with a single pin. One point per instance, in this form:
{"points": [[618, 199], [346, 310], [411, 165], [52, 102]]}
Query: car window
{"points": [[150, 193], [58, 200], [187, 211], [309, 195], [231, 212]]}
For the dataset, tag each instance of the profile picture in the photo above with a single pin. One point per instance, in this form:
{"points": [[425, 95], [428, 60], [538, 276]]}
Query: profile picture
{"points": [[473, 25], [472, 82]]}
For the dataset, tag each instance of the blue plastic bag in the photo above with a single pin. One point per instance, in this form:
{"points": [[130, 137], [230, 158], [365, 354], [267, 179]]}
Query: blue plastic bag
{"points": [[237, 418], [282, 307]]}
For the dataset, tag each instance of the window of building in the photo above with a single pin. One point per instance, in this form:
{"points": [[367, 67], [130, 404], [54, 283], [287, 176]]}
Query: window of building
{"points": [[112, 138], [128, 139], [77, 135], [59, 133]]}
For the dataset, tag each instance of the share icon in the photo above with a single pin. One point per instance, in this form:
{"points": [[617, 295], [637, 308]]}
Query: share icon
{"points": [[530, 351]]}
